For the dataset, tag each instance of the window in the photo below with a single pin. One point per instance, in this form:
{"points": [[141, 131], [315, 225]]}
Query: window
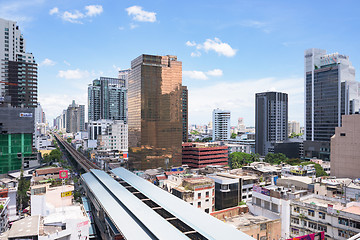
{"points": [[199, 204], [322, 215], [295, 220], [199, 195], [312, 225], [311, 213], [207, 210], [322, 228], [354, 224], [344, 221], [297, 209], [342, 134], [225, 187], [262, 226], [295, 231], [207, 194]]}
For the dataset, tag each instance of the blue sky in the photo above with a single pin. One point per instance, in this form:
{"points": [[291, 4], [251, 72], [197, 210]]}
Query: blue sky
{"points": [[230, 49]]}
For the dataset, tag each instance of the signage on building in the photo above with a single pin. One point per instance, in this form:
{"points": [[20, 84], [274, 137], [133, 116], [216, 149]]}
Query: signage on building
{"points": [[330, 209], [63, 174], [66, 194], [312, 236], [29, 115], [82, 224], [2, 99], [261, 190]]}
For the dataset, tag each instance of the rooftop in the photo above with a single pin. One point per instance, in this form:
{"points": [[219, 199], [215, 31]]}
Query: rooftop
{"points": [[26, 227], [246, 219]]}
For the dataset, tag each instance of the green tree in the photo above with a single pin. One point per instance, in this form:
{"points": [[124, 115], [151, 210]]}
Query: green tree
{"points": [[22, 199], [208, 139], [69, 140], [233, 135], [275, 158], [237, 159]]}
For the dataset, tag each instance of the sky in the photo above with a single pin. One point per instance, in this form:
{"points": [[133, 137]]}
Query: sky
{"points": [[229, 50]]}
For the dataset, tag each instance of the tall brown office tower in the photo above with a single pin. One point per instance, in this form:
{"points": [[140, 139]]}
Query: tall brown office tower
{"points": [[154, 112]]}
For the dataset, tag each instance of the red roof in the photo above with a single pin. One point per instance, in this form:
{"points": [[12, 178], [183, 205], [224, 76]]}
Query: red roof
{"points": [[161, 177], [48, 171], [173, 172]]}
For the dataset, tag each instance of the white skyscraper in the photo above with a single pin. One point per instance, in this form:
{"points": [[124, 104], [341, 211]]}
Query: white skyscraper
{"points": [[221, 125]]}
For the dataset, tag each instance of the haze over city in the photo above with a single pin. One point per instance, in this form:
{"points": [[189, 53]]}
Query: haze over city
{"points": [[229, 51]]}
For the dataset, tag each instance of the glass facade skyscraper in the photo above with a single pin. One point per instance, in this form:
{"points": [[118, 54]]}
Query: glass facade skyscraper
{"points": [[330, 91], [155, 116], [107, 98], [271, 120]]}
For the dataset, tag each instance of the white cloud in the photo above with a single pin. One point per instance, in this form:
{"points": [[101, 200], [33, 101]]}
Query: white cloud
{"points": [[121, 28], [239, 98], [215, 72], [19, 10], [196, 54], [195, 75], [200, 75], [93, 10], [215, 45], [132, 25], [264, 26], [67, 63], [140, 15], [47, 62], [77, 16], [190, 44], [73, 74], [53, 11]]}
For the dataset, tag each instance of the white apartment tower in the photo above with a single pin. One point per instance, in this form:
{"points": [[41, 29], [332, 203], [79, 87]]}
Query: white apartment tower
{"points": [[221, 125]]}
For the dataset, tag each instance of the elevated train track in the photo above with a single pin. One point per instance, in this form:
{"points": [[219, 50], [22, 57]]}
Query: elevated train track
{"points": [[83, 162]]}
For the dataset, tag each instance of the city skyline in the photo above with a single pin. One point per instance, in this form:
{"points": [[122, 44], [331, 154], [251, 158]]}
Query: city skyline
{"points": [[221, 56]]}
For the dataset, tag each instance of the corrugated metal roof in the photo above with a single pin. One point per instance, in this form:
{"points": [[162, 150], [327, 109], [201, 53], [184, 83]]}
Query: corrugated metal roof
{"points": [[203, 223], [129, 227], [157, 225]]}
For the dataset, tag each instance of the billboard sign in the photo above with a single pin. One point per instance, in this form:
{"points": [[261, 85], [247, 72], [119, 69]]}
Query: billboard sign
{"points": [[28, 115], [261, 190], [63, 174], [312, 236], [66, 194]]}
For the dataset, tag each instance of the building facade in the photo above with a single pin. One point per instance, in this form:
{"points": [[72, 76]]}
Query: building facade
{"points": [[185, 107], [314, 213], [221, 125], [154, 116], [271, 119], [330, 91], [293, 127], [200, 155], [107, 98], [18, 78], [75, 118], [345, 148]]}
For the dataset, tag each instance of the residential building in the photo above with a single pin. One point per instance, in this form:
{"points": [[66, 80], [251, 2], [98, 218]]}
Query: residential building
{"points": [[155, 118], [293, 127], [345, 148], [239, 147], [263, 170], [96, 128], [314, 213], [291, 148], [184, 110], [232, 188], [18, 80], [221, 125], [199, 191], [75, 118], [197, 155], [258, 227], [107, 98], [8, 189], [271, 119], [274, 202], [300, 170]]}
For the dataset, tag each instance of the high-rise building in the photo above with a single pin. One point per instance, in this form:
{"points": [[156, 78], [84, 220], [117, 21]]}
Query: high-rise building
{"points": [[241, 125], [154, 116], [75, 118], [330, 91], [221, 125], [271, 120], [107, 98], [345, 148], [293, 127], [18, 78], [185, 103]]}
